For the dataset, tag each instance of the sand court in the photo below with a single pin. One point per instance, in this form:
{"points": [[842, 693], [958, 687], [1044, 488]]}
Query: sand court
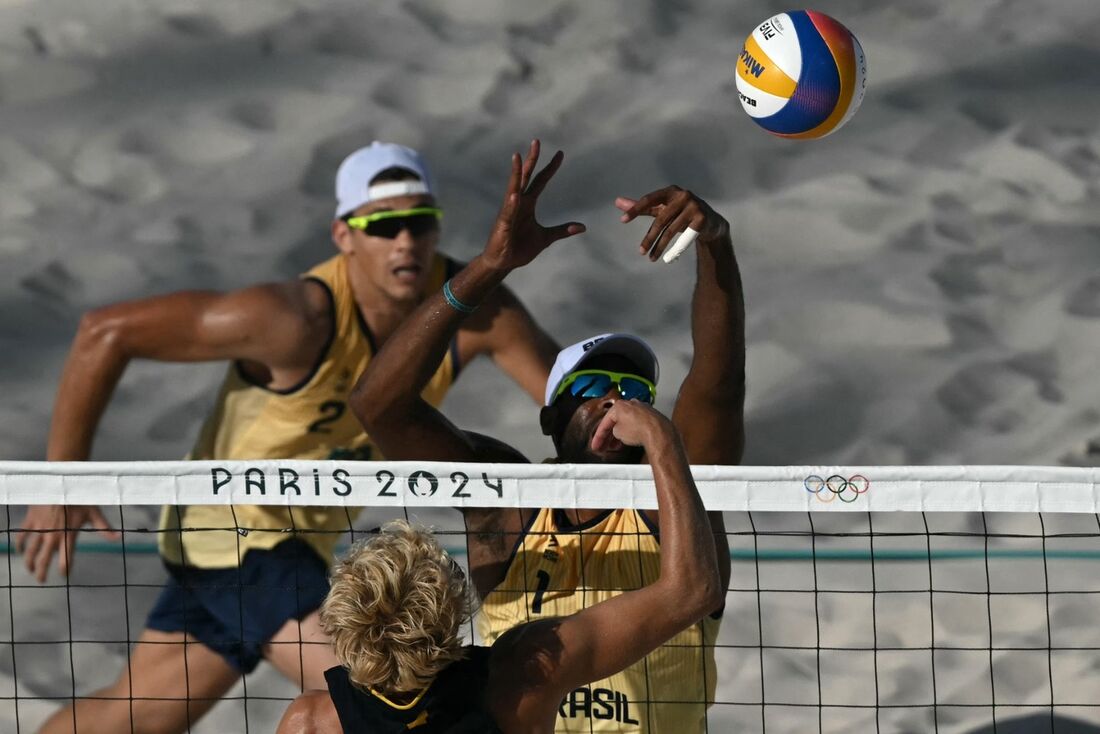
{"points": [[921, 287]]}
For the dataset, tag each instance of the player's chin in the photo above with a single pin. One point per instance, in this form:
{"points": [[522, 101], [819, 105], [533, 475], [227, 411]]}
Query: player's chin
{"points": [[405, 291]]}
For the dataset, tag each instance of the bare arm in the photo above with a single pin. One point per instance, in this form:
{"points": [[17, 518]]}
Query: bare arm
{"points": [[549, 658], [709, 411], [281, 327], [387, 397], [274, 325]]}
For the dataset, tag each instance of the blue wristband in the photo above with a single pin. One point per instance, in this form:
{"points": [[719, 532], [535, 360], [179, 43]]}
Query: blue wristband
{"points": [[453, 302]]}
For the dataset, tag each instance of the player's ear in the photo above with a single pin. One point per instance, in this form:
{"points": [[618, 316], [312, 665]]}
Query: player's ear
{"points": [[341, 236], [548, 419]]}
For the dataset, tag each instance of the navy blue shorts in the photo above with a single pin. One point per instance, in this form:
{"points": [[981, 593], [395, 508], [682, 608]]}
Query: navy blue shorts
{"points": [[235, 612]]}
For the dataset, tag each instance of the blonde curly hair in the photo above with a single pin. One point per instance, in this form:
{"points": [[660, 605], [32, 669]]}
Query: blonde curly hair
{"points": [[395, 610]]}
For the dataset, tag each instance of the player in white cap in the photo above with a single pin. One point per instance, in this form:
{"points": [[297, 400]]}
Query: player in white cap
{"points": [[532, 564], [295, 349]]}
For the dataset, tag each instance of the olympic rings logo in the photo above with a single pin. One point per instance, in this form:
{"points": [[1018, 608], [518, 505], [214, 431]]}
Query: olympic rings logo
{"points": [[846, 489]]}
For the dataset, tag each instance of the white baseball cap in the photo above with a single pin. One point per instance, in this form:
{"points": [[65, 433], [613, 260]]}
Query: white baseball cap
{"points": [[353, 187], [574, 356]]}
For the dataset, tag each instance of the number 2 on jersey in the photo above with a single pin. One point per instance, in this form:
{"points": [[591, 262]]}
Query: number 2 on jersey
{"points": [[331, 411]]}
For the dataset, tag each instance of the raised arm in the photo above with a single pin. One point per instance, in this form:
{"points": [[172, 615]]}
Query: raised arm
{"points": [[710, 408], [280, 327], [387, 397], [535, 665]]}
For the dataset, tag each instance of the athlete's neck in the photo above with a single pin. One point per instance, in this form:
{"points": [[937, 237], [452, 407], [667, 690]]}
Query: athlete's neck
{"points": [[381, 312], [580, 517], [383, 318]]}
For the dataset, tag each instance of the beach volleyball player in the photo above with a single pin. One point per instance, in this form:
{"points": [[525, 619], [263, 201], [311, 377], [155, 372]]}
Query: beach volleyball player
{"points": [[533, 564], [296, 348], [398, 602]]}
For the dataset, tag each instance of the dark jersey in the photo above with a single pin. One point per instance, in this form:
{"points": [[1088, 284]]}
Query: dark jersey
{"points": [[452, 704]]}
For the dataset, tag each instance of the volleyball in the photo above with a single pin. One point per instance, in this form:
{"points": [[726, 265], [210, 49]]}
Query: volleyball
{"points": [[801, 74]]}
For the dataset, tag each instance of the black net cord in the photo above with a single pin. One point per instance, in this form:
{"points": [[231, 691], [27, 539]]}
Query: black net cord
{"points": [[1050, 638], [11, 625], [583, 564], [126, 616], [759, 623], [69, 611], [874, 621], [817, 624], [703, 644], [240, 606], [298, 606], [639, 523], [186, 625], [989, 622], [931, 624]]}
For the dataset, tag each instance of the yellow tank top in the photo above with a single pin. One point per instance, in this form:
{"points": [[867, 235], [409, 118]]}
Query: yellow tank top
{"points": [[308, 421], [558, 570]]}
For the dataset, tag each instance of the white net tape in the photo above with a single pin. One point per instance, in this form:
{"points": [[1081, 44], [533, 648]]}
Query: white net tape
{"points": [[433, 484]]}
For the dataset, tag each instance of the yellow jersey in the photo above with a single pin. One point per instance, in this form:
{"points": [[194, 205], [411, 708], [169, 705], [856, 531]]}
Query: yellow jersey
{"points": [[557, 570], [310, 420]]}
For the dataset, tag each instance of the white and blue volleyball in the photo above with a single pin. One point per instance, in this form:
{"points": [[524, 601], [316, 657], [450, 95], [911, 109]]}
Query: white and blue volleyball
{"points": [[801, 74]]}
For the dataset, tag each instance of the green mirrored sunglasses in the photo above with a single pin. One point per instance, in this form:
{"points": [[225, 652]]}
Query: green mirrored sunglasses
{"points": [[388, 224], [597, 383]]}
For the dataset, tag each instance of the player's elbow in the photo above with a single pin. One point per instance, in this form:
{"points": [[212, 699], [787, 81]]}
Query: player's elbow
{"points": [[722, 390], [363, 404], [372, 403], [101, 330], [700, 593], [708, 597]]}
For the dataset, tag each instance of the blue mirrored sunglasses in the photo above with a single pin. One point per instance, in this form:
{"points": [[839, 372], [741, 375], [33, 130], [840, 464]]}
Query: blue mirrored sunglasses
{"points": [[597, 383]]}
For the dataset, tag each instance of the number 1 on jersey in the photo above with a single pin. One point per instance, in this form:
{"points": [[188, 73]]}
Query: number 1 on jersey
{"points": [[544, 584]]}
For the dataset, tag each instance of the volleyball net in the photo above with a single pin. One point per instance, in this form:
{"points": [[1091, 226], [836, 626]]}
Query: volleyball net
{"points": [[887, 599]]}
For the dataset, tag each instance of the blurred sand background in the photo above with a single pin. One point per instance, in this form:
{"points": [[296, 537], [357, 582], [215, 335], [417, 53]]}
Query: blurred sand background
{"points": [[921, 286]]}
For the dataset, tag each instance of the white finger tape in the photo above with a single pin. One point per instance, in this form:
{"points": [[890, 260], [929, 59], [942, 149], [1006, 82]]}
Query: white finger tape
{"points": [[684, 241]]}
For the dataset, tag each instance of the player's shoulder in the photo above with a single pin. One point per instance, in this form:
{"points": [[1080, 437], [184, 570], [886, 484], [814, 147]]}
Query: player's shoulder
{"points": [[284, 322], [302, 298], [527, 655], [311, 713], [493, 450]]}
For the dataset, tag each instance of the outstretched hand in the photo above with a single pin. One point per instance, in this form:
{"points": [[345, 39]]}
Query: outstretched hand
{"points": [[673, 210], [517, 237], [50, 530]]}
